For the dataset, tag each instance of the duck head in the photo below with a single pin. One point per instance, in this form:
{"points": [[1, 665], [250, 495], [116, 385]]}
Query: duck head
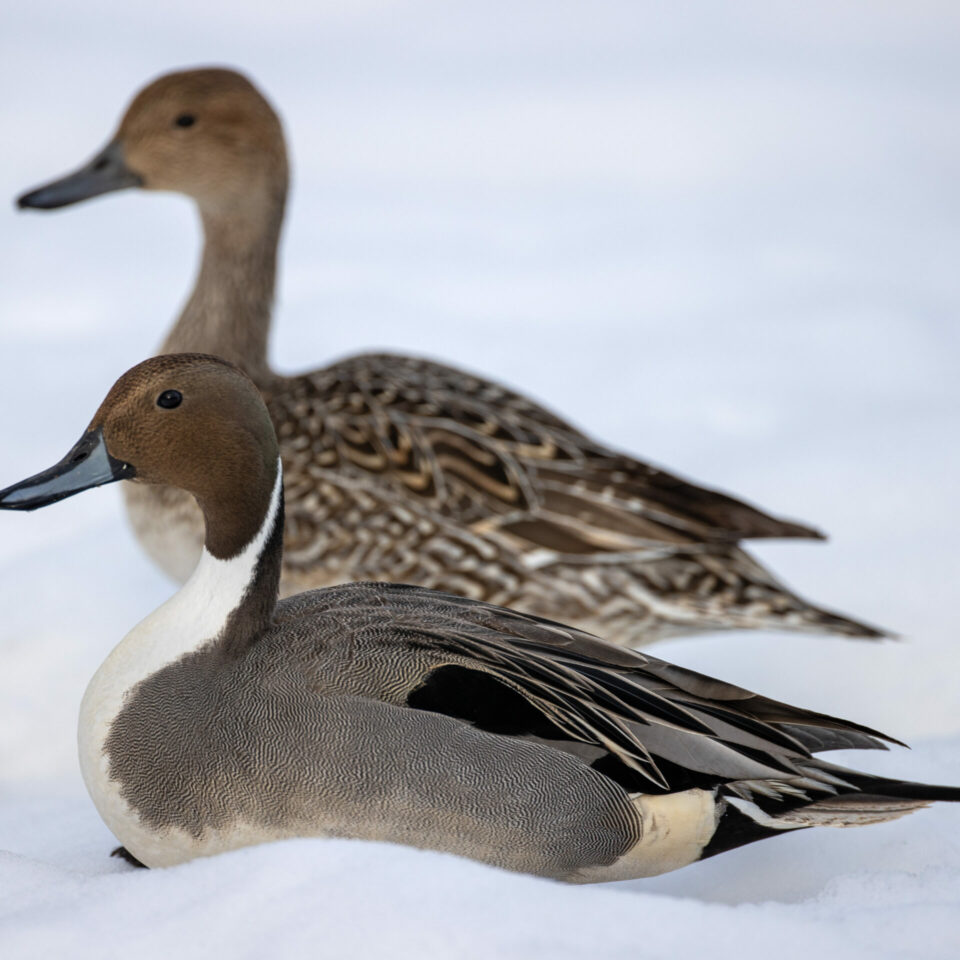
{"points": [[188, 420], [206, 133]]}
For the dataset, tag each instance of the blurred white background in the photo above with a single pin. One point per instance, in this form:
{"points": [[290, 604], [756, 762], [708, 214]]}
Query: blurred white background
{"points": [[724, 237]]}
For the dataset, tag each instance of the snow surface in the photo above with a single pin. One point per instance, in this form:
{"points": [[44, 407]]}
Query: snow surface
{"points": [[722, 235]]}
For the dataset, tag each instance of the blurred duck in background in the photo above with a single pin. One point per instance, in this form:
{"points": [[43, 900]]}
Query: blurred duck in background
{"points": [[390, 712], [401, 469]]}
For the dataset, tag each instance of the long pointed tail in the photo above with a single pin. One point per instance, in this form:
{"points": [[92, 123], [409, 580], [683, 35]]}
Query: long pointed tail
{"points": [[769, 604], [872, 800], [897, 789], [810, 619]]}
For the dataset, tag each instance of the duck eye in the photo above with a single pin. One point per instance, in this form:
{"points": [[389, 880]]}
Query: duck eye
{"points": [[185, 120], [169, 399]]}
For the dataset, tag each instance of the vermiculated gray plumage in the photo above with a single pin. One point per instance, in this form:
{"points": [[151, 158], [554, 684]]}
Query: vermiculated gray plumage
{"points": [[355, 714]]}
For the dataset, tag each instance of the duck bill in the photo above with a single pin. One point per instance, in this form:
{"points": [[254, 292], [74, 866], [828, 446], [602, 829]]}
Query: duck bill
{"points": [[106, 172], [88, 464]]}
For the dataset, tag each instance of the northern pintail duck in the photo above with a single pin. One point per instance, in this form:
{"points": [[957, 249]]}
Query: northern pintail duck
{"points": [[397, 713], [402, 469]]}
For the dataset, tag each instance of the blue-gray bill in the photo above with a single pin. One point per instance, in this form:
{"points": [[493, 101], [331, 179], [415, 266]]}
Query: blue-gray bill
{"points": [[87, 465], [105, 173]]}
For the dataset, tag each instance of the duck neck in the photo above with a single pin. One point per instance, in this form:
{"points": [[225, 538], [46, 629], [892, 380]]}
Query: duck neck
{"points": [[228, 313], [246, 585], [228, 602]]}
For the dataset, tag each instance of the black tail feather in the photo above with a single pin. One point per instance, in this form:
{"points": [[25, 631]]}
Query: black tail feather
{"points": [[736, 829], [899, 789]]}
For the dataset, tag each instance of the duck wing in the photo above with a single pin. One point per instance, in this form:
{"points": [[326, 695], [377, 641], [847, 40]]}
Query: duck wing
{"points": [[494, 461], [649, 725]]}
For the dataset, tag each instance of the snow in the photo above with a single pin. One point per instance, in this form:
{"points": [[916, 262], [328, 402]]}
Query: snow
{"points": [[724, 236]]}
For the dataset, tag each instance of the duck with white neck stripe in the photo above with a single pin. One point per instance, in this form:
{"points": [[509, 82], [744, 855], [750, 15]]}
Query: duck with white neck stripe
{"points": [[402, 469], [392, 712]]}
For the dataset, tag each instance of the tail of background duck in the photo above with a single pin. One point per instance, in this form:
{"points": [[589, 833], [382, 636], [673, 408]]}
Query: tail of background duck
{"points": [[812, 619], [787, 612], [761, 600], [705, 591], [872, 800]]}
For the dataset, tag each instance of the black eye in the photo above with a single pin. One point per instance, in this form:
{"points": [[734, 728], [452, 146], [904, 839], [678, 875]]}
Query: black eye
{"points": [[169, 399], [185, 120]]}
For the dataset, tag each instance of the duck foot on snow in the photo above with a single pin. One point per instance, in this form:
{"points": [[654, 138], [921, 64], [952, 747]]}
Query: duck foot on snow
{"points": [[124, 854]]}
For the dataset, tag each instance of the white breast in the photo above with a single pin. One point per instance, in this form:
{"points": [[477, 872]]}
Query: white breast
{"points": [[189, 620]]}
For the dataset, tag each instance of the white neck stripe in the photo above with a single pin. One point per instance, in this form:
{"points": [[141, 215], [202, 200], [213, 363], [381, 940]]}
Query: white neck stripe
{"points": [[191, 618]]}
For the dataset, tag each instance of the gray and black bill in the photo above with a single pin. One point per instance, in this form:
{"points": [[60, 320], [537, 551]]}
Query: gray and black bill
{"points": [[106, 172], [87, 465]]}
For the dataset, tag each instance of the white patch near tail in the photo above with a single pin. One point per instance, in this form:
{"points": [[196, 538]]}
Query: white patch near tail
{"points": [[676, 828]]}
